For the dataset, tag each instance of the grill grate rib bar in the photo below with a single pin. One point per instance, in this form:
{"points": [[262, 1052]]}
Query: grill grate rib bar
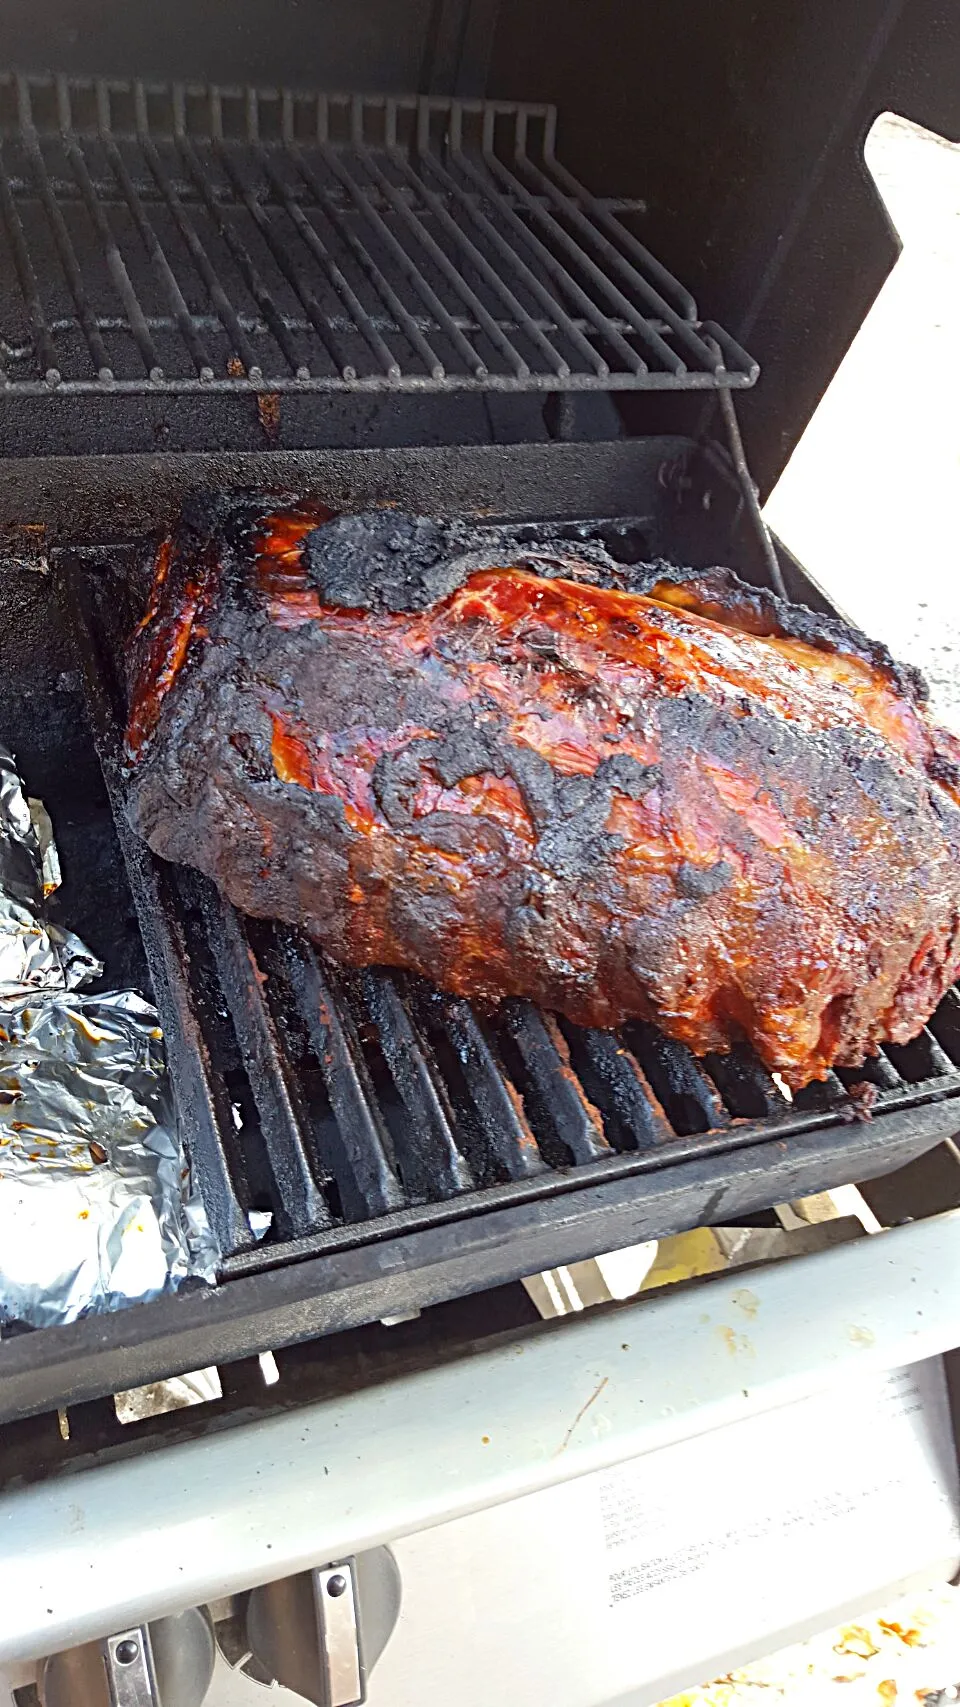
{"points": [[401, 315], [876, 1070], [491, 277], [678, 323], [822, 1094], [116, 266], [238, 249], [505, 1126], [922, 1058], [578, 258], [689, 1097], [283, 1120], [615, 1081], [278, 247], [218, 296], [420, 1086], [554, 312], [887, 1074], [945, 1026], [603, 217], [428, 296], [544, 258], [557, 1090], [734, 354], [184, 319], [27, 280], [334, 274], [201, 1086], [202, 1097], [68, 259], [361, 1136], [281, 256], [745, 1085], [939, 1059], [422, 236], [553, 309]]}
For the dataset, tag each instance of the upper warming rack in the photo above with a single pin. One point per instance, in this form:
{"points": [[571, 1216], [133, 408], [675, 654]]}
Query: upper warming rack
{"points": [[182, 238]]}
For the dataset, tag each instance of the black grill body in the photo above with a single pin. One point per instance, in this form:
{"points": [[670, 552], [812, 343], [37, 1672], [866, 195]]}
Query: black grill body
{"points": [[408, 1148]]}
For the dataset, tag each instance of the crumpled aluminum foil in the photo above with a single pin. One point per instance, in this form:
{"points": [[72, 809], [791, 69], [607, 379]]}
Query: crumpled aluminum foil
{"points": [[92, 1208], [34, 955], [96, 1209]]}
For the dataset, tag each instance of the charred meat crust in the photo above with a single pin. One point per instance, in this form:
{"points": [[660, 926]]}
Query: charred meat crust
{"points": [[384, 560], [387, 560], [528, 770]]}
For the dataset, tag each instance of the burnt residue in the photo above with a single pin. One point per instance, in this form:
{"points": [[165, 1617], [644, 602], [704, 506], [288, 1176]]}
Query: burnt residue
{"points": [[523, 769], [386, 560], [699, 882]]}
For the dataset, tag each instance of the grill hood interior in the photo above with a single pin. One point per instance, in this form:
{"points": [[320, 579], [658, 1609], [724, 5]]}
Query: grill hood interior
{"points": [[740, 133]]}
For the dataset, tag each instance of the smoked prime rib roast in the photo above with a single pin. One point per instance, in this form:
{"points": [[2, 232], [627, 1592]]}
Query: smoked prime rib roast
{"points": [[527, 770]]}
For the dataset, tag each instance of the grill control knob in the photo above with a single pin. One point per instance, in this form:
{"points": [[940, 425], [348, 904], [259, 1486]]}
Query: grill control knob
{"points": [[169, 1662], [318, 1633]]}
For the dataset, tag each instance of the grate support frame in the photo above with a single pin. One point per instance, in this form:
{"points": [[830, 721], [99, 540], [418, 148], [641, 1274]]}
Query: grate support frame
{"points": [[183, 239]]}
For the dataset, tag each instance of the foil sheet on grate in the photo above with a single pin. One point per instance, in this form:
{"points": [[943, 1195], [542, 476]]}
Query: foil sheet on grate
{"points": [[34, 955], [95, 1203]]}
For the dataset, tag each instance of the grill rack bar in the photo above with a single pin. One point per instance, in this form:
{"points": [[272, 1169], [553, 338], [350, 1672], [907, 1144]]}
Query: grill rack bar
{"points": [[422, 1110], [218, 297], [451, 221], [186, 322], [505, 1127], [72, 270], [284, 1120], [431, 1148], [204, 1105], [363, 1143]]}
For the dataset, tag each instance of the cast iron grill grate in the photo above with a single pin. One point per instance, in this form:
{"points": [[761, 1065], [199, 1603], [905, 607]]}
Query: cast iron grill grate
{"points": [[184, 238], [353, 1106]]}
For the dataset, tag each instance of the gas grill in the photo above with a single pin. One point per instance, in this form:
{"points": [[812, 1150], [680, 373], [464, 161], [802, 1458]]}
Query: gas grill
{"points": [[411, 299], [409, 1148]]}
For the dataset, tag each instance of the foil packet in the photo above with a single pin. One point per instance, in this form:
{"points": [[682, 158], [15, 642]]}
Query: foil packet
{"points": [[96, 1208], [93, 1205], [34, 955]]}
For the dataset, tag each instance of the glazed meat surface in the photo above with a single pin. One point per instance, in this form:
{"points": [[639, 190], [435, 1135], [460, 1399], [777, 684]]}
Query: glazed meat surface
{"points": [[621, 792]]}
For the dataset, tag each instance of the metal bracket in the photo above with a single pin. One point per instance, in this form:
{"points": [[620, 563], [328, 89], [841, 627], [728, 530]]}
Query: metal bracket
{"points": [[341, 1661], [131, 1674]]}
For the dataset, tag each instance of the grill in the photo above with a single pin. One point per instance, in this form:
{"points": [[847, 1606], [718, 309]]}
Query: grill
{"points": [[183, 238], [406, 1147], [224, 266], [410, 299]]}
